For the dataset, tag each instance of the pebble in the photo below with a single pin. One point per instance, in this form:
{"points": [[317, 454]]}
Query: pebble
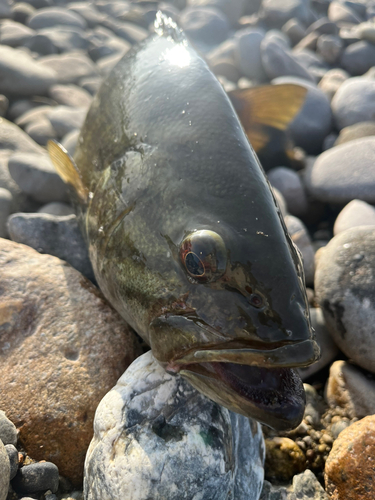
{"points": [[366, 31], [4, 104], [32, 114], [69, 67], [324, 26], [5, 206], [284, 459], [339, 12], [289, 183], [354, 102], [328, 348], [276, 13], [356, 131], [301, 238], [71, 341], [14, 34], [355, 213], [349, 470], [35, 478], [351, 388], [344, 289], [4, 472], [156, 436], [65, 119], [272, 492], [308, 42], [358, 58], [65, 38], [247, 53], [332, 81], [21, 75], [37, 177], [13, 459], [88, 11], [42, 45], [69, 141], [91, 84], [55, 16], [204, 24], [343, 173], [314, 121], [329, 47], [307, 487], [232, 10], [294, 30], [41, 131], [279, 61], [54, 235], [56, 208], [21, 11], [8, 431]]}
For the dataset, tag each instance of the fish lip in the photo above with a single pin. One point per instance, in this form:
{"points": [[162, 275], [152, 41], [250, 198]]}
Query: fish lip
{"points": [[295, 355]]}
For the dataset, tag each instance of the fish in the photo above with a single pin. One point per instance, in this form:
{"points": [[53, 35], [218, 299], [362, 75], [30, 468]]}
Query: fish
{"points": [[184, 234]]}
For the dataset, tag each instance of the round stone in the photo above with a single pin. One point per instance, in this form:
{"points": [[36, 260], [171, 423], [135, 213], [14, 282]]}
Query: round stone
{"points": [[356, 213], [343, 173], [358, 58], [354, 102], [345, 290]]}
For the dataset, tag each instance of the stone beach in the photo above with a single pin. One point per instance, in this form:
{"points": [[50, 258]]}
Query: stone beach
{"points": [[65, 351]]}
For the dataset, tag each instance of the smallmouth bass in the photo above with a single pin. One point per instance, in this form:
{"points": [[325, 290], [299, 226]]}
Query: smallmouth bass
{"points": [[184, 234]]}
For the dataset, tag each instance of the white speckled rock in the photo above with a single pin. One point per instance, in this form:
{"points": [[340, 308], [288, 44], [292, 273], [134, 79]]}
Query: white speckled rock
{"points": [[157, 437], [355, 213], [345, 290]]}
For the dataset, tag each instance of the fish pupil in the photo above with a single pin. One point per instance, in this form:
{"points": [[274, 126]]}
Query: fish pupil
{"points": [[256, 300], [194, 265]]}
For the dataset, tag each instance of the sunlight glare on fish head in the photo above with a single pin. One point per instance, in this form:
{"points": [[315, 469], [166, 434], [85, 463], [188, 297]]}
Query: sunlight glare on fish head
{"points": [[178, 56]]}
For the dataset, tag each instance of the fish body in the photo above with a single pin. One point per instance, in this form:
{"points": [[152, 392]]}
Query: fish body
{"points": [[184, 234]]}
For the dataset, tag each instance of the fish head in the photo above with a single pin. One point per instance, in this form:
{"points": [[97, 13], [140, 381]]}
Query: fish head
{"points": [[241, 323]]}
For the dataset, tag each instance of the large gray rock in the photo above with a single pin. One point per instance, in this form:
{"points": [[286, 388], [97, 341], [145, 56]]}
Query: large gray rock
{"points": [[314, 121], [36, 176], [58, 236], [247, 53], [20, 75], [55, 16], [278, 61], [356, 213], [157, 437], [345, 290], [344, 173], [354, 102], [4, 471]]}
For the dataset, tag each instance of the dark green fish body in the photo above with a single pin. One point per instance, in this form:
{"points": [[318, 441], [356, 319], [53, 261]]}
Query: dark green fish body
{"points": [[184, 235]]}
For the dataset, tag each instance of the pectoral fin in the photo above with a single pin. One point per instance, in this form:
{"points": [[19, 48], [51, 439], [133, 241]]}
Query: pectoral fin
{"points": [[67, 169], [267, 106]]}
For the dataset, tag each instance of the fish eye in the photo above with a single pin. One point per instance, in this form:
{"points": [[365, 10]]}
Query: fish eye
{"points": [[203, 255], [256, 300]]}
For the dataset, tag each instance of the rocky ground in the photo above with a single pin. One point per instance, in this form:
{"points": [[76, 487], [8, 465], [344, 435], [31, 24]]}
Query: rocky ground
{"points": [[53, 57]]}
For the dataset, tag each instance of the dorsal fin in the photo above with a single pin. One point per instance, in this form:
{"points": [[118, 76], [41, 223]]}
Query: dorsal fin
{"points": [[269, 105], [67, 169]]}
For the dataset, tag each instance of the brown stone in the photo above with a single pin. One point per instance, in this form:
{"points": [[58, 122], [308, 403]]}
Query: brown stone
{"points": [[62, 348], [350, 466], [284, 459]]}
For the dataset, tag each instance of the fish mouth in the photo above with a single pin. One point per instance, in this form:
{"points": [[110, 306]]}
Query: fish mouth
{"points": [[256, 383]]}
